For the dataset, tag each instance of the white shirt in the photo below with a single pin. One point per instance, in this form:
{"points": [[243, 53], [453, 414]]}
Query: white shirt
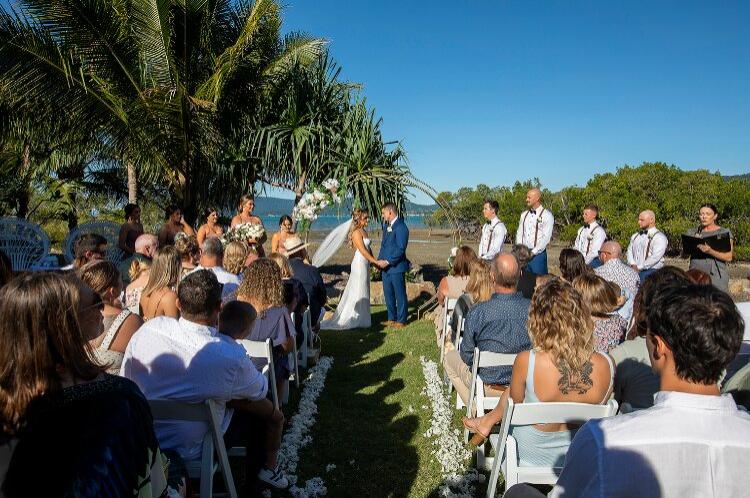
{"points": [[639, 243], [186, 361], [493, 237], [535, 224], [685, 445], [229, 281], [589, 240]]}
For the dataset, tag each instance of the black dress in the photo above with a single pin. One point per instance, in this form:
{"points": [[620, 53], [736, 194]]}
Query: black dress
{"points": [[90, 440]]}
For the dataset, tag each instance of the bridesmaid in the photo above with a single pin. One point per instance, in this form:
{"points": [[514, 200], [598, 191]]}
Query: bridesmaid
{"points": [[130, 230], [285, 230], [714, 263], [245, 215], [211, 228]]}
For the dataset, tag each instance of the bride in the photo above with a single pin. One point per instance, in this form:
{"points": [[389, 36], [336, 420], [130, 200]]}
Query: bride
{"points": [[353, 310]]}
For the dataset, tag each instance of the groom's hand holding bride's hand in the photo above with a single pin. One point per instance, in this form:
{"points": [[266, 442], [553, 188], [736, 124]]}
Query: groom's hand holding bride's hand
{"points": [[382, 264]]}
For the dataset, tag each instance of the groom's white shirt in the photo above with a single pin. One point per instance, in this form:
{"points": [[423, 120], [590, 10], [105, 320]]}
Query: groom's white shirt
{"points": [[390, 224]]}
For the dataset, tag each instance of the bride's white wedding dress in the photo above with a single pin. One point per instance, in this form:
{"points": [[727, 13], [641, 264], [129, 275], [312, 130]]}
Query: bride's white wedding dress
{"points": [[353, 310]]}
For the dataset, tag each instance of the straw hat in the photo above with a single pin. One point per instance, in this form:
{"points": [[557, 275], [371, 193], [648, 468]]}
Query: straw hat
{"points": [[293, 245]]}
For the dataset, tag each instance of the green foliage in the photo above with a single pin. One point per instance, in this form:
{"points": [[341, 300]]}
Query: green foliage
{"points": [[673, 194]]}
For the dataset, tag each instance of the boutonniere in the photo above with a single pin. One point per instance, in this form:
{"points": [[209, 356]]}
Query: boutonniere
{"points": [[652, 235], [590, 236], [390, 229]]}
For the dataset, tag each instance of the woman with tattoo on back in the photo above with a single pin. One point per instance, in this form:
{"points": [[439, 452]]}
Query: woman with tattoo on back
{"points": [[562, 366]]}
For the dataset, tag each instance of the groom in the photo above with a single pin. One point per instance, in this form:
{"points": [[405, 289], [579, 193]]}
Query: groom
{"points": [[393, 263]]}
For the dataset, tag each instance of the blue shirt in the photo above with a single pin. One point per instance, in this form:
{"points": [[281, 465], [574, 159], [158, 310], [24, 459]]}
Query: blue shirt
{"points": [[499, 326]]}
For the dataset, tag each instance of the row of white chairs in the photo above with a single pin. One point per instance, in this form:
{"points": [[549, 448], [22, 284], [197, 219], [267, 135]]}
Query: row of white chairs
{"points": [[28, 246], [503, 443]]}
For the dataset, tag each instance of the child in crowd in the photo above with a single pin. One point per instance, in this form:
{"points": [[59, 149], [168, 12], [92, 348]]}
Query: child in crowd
{"points": [[236, 320]]}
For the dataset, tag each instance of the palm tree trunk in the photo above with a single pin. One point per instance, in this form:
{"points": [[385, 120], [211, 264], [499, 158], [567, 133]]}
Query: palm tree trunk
{"points": [[25, 197], [132, 184]]}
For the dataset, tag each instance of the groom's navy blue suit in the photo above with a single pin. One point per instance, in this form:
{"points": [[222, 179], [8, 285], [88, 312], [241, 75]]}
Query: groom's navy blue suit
{"points": [[393, 250]]}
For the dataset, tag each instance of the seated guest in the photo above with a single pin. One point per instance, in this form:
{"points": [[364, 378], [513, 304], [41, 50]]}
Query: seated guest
{"points": [[87, 247], [211, 227], [308, 275], [138, 273], [130, 230], [561, 367], [298, 292], [6, 269], [479, 289], [572, 264], [235, 256], [119, 324], [145, 248], [189, 251], [693, 441], [68, 429], [635, 382], [159, 297], [614, 270], [454, 284], [236, 320], [255, 251], [212, 258], [262, 288], [527, 280], [497, 325], [603, 299], [188, 360], [173, 225]]}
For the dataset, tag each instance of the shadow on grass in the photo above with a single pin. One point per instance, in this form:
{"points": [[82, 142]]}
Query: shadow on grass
{"points": [[357, 428]]}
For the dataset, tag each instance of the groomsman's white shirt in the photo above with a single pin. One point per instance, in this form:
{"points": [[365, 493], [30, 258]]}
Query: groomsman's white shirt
{"points": [[639, 243], [539, 222], [493, 236], [590, 240]]}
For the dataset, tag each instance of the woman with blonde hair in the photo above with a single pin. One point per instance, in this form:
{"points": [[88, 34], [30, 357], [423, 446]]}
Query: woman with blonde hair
{"points": [[561, 367], [159, 297], [479, 288], [245, 215], [138, 272], [189, 252], [120, 324], [353, 310], [603, 299], [262, 288], [235, 256]]}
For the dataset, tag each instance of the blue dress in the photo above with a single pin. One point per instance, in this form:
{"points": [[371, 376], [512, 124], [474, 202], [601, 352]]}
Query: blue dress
{"points": [[538, 448]]}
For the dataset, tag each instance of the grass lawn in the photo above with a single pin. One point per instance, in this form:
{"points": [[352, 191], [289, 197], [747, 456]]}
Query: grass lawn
{"points": [[370, 422]]}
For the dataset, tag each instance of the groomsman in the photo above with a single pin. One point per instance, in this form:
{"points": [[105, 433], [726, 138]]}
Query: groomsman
{"points": [[493, 232], [647, 246], [535, 231], [590, 236]]}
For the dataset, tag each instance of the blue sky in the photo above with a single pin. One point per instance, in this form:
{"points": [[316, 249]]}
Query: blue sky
{"points": [[498, 91]]}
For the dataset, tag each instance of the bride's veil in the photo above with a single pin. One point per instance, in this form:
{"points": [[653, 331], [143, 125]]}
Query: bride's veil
{"points": [[331, 244]]}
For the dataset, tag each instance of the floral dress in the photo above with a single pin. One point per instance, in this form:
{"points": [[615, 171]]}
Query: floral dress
{"points": [[609, 332]]}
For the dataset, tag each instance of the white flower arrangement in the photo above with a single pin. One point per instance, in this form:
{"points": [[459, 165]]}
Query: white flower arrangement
{"points": [[314, 201], [297, 435], [243, 232], [447, 439]]}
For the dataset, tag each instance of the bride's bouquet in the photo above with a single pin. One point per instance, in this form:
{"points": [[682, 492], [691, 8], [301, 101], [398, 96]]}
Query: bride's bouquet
{"points": [[314, 201], [243, 232]]}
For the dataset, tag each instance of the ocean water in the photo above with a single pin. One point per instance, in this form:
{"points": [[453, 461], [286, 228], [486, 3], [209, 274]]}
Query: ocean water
{"points": [[325, 223]]}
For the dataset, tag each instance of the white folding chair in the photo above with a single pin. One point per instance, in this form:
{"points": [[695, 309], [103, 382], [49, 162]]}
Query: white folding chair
{"points": [[263, 349], [213, 442], [448, 304], [457, 346], [25, 243], [506, 450], [107, 229], [313, 353], [477, 399], [302, 354]]}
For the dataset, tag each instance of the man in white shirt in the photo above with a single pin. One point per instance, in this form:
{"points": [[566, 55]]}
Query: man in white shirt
{"points": [[188, 360], [647, 246], [212, 258], [535, 231], [615, 271], [590, 236], [694, 441], [493, 232]]}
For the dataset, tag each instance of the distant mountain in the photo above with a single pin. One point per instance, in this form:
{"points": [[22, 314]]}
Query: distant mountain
{"points": [[745, 177], [275, 206]]}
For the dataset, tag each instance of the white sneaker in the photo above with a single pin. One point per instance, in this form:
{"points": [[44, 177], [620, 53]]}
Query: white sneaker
{"points": [[274, 477]]}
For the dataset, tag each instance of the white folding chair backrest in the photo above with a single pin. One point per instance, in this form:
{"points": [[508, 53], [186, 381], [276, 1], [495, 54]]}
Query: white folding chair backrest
{"points": [[449, 303], [302, 354], [506, 450], [263, 349], [477, 400], [107, 229], [25, 243], [165, 409]]}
